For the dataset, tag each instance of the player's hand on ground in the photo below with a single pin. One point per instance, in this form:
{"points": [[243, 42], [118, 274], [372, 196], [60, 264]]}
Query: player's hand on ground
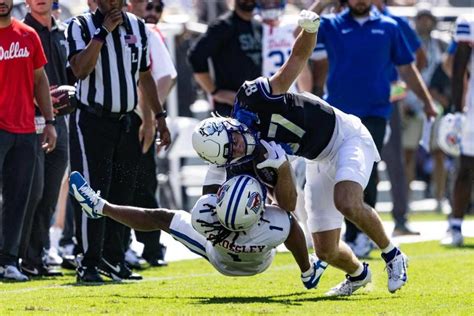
{"points": [[276, 155], [146, 135], [309, 21], [164, 136], [113, 19], [224, 96], [48, 142]]}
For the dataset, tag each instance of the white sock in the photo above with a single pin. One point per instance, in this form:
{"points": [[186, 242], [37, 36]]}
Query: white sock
{"points": [[100, 206], [308, 272], [389, 248], [455, 222], [359, 270]]}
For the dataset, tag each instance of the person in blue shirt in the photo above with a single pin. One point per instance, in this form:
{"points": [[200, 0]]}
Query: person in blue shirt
{"points": [[392, 152], [363, 48]]}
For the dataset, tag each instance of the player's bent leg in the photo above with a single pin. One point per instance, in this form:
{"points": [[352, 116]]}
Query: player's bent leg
{"points": [[348, 199], [311, 269]]}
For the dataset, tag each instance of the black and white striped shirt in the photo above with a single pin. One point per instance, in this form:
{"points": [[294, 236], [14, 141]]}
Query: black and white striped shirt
{"points": [[112, 85]]}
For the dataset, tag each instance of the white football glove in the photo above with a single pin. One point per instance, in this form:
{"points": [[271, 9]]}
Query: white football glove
{"points": [[276, 155], [309, 21]]}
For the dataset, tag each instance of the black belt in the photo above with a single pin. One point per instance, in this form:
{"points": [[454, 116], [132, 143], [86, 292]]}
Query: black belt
{"points": [[98, 111]]}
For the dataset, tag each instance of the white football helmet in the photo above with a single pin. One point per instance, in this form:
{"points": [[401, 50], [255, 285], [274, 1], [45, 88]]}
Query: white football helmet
{"points": [[212, 140], [240, 202], [271, 9], [449, 133]]}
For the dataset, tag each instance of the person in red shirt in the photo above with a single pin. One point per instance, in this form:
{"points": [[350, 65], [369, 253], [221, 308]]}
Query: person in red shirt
{"points": [[22, 80]]}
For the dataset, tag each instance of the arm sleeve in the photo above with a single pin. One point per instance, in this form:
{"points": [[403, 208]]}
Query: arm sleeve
{"points": [[215, 176], [256, 96], [39, 58], [208, 45], [319, 51], [409, 33], [161, 62], [464, 31], [75, 40], [400, 51]]}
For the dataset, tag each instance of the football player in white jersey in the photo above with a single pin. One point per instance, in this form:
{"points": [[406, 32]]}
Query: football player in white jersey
{"points": [[277, 41], [233, 229], [464, 36]]}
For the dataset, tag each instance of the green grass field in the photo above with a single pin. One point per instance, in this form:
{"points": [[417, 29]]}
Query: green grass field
{"points": [[441, 282]]}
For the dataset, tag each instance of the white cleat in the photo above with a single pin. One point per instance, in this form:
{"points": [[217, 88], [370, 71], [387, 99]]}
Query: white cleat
{"points": [[397, 272], [349, 285], [312, 280], [11, 272], [453, 238]]}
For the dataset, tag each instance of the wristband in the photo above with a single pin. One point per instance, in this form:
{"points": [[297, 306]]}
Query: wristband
{"points": [[101, 33], [215, 91], [160, 115], [50, 122]]}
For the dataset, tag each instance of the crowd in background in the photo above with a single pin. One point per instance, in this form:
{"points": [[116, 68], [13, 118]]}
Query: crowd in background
{"points": [[123, 164]]}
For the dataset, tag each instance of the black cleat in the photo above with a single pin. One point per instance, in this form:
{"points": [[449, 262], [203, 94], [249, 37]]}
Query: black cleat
{"points": [[117, 271], [39, 270], [88, 275]]}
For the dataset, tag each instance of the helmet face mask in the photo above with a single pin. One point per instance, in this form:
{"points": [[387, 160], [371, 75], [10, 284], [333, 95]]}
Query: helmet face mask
{"points": [[271, 9], [240, 203], [213, 141]]}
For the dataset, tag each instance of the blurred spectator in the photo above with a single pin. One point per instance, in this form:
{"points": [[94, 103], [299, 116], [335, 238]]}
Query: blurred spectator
{"points": [[435, 46], [23, 59], [464, 36], [50, 168], [392, 152], [233, 43], [164, 74], [362, 47], [208, 11]]}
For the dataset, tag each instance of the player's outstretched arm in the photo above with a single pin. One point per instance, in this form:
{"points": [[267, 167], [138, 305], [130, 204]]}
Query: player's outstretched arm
{"points": [[302, 50], [140, 218], [134, 217]]}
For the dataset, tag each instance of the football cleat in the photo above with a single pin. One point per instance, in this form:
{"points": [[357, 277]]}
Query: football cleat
{"points": [[453, 238], [317, 269], [88, 275], [397, 272], [11, 272], [118, 271], [89, 200], [351, 284]]}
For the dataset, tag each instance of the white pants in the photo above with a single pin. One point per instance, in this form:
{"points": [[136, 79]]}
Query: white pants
{"points": [[352, 159]]}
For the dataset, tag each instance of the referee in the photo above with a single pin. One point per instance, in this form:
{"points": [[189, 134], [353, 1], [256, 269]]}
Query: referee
{"points": [[108, 54]]}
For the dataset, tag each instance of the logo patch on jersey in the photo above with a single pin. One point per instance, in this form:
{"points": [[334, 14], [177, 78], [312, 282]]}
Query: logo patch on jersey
{"points": [[130, 39], [378, 31], [255, 202], [345, 31]]}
